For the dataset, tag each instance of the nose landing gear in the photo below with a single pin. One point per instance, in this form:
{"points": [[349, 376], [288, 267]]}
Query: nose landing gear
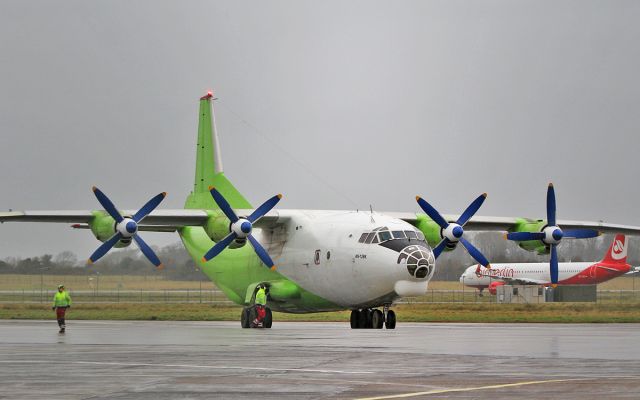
{"points": [[372, 318]]}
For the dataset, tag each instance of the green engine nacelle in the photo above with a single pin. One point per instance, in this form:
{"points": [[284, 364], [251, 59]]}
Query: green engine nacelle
{"points": [[217, 227], [430, 229], [103, 227], [531, 225]]}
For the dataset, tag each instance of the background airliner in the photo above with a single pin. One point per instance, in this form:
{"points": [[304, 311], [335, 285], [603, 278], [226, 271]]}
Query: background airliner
{"points": [[310, 260], [612, 265]]}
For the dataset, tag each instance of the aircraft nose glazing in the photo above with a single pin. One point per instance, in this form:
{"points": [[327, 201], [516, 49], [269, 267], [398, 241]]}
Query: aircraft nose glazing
{"points": [[419, 261]]}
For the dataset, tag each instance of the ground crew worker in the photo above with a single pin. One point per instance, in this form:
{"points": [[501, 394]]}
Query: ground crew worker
{"points": [[261, 302], [61, 301]]}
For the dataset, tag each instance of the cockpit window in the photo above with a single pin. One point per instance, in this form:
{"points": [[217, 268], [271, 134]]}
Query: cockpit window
{"points": [[363, 238], [399, 235], [375, 239], [420, 235], [384, 236], [411, 235], [370, 237]]}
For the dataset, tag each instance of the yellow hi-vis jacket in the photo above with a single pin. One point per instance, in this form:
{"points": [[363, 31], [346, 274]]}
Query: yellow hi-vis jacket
{"points": [[61, 299], [261, 297]]}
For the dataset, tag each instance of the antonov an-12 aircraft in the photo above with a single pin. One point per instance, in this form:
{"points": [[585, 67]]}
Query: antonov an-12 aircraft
{"points": [[324, 260], [612, 265]]}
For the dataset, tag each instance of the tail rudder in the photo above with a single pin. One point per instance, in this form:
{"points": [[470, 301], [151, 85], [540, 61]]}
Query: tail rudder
{"points": [[209, 164], [617, 253]]}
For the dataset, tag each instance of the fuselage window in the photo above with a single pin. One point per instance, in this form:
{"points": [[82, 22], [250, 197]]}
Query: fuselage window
{"points": [[363, 238], [399, 235], [411, 235], [420, 235], [384, 236], [370, 237]]}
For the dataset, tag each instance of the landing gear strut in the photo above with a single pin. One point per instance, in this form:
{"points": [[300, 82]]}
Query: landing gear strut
{"points": [[369, 318]]}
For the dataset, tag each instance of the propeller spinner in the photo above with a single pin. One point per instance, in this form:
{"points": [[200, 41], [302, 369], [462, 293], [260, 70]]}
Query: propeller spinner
{"points": [[241, 227], [552, 234], [454, 232], [127, 227]]}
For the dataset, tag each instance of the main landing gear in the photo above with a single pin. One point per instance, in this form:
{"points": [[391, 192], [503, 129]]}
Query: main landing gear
{"points": [[372, 318], [249, 317]]}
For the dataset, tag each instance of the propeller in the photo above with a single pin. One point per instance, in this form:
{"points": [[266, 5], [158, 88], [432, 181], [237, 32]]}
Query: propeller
{"points": [[127, 227], [454, 232], [552, 234], [241, 228]]}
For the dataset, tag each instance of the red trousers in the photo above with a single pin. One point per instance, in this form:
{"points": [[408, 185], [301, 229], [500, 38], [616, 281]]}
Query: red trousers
{"points": [[60, 312], [261, 312]]}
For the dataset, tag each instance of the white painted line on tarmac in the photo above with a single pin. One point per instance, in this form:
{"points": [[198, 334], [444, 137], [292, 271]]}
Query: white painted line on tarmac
{"points": [[471, 389], [320, 371]]}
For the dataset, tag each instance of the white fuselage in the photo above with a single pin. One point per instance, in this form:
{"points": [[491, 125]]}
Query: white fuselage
{"points": [[323, 253], [534, 272]]}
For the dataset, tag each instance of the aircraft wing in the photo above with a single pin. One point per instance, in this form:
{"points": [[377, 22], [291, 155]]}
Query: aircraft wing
{"points": [[480, 223], [158, 221]]}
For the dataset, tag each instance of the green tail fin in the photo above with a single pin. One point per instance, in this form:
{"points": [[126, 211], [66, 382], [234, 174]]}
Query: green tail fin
{"points": [[209, 165]]}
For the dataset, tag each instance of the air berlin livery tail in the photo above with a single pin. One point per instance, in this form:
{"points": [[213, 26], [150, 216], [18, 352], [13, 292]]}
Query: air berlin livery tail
{"points": [[617, 253], [612, 265]]}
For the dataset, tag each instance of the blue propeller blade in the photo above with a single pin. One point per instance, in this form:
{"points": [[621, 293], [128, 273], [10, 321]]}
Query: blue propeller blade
{"points": [[440, 247], [475, 253], [221, 245], [554, 264], [104, 248], [223, 204], [107, 205], [471, 210], [148, 252], [581, 233], [264, 208], [551, 205], [150, 206], [261, 252], [524, 236], [432, 212]]}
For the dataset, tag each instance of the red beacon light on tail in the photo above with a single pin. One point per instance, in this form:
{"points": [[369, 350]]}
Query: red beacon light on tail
{"points": [[207, 96]]}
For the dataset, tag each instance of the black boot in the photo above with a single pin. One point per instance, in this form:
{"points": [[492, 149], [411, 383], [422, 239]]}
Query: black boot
{"points": [[62, 326]]}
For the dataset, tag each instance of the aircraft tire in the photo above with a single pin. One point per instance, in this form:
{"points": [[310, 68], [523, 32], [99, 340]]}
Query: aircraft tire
{"points": [[245, 322], [268, 318], [253, 314], [390, 323], [363, 319], [355, 317], [377, 319]]}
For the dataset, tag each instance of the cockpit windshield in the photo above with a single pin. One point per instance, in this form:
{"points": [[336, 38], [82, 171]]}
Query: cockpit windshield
{"points": [[383, 234]]}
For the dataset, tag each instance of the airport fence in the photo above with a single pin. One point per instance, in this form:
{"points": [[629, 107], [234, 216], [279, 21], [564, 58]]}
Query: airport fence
{"points": [[216, 296]]}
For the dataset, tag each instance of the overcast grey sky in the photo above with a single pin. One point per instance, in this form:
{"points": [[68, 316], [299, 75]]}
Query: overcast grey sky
{"points": [[382, 100]]}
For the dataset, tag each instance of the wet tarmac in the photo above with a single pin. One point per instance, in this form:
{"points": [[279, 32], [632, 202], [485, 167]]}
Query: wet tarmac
{"points": [[205, 360]]}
